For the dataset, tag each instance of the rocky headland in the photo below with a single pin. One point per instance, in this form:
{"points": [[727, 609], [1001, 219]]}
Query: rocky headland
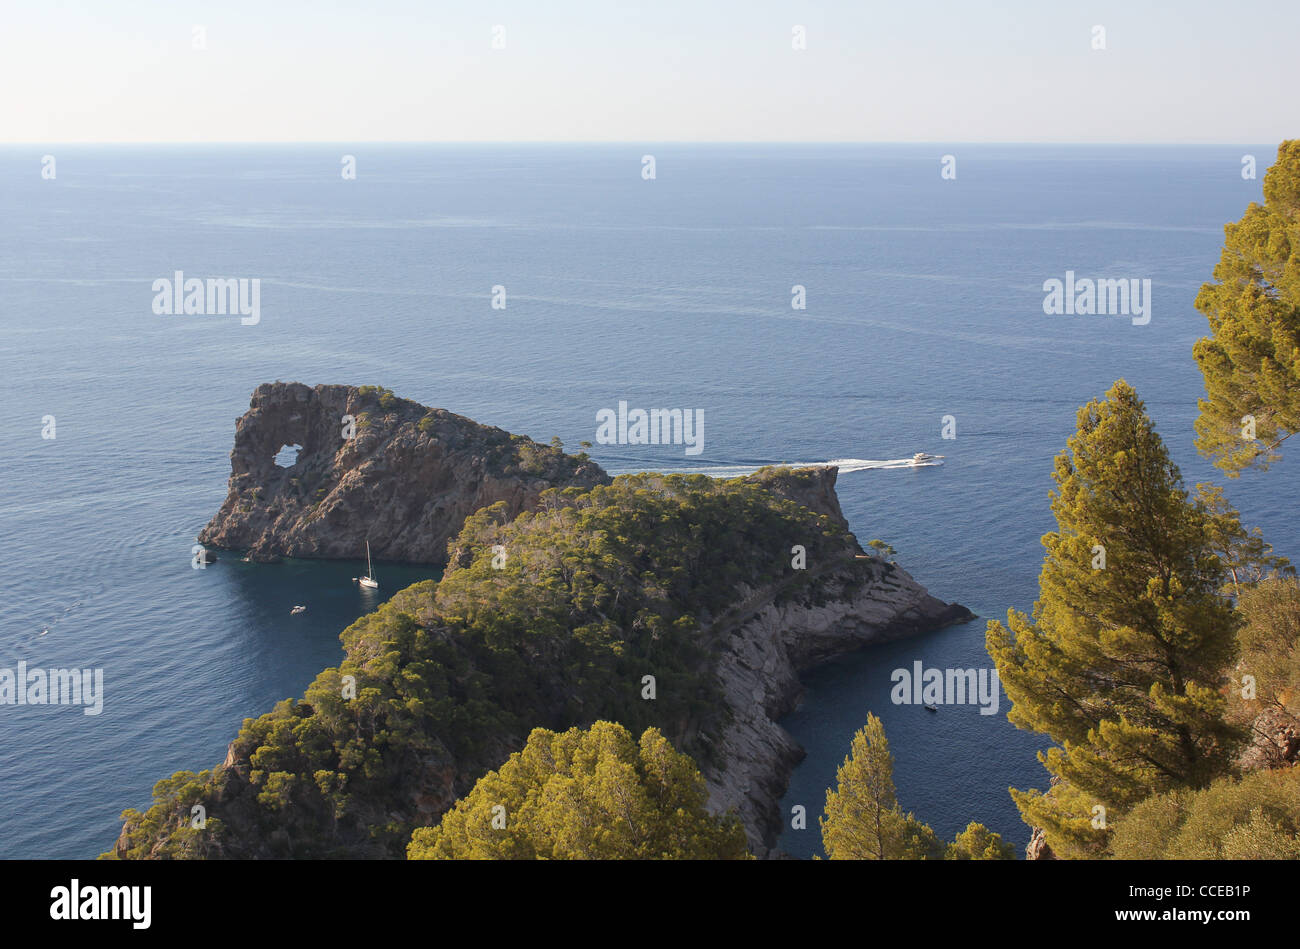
{"points": [[374, 467], [685, 576]]}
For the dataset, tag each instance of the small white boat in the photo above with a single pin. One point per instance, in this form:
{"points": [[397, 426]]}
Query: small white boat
{"points": [[921, 458], [930, 708], [369, 580], [297, 609]]}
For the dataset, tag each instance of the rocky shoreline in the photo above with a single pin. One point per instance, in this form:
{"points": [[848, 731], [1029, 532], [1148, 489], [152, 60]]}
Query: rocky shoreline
{"points": [[772, 641]]}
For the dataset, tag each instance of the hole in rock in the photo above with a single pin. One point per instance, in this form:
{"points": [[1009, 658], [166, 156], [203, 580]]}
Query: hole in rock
{"points": [[287, 456]]}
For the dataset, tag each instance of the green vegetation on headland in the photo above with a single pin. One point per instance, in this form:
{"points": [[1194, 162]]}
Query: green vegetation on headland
{"points": [[548, 621], [591, 795]]}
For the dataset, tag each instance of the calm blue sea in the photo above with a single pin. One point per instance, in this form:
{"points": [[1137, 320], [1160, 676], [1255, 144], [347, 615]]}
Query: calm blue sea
{"points": [[924, 299]]}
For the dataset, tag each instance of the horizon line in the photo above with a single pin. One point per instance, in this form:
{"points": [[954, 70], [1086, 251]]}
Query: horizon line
{"points": [[638, 142]]}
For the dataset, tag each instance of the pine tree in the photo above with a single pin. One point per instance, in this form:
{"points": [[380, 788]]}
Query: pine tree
{"points": [[1246, 556], [1130, 639], [1251, 360], [977, 842], [863, 820], [587, 794]]}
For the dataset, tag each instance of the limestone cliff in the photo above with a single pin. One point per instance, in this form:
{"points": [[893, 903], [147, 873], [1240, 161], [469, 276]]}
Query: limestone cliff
{"points": [[401, 475], [769, 639]]}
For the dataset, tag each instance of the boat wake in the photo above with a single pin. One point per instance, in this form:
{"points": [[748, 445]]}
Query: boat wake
{"points": [[845, 465]]}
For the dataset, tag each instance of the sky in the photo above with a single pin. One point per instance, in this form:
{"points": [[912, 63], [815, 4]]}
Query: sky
{"points": [[1180, 71]]}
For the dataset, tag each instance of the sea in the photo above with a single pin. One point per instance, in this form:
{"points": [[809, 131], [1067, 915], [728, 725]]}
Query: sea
{"points": [[813, 302]]}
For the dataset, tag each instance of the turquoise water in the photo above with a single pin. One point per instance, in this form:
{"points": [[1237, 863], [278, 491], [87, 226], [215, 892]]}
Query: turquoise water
{"points": [[924, 300]]}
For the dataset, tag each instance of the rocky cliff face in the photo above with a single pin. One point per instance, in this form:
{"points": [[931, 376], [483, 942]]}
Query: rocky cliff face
{"points": [[402, 476], [770, 639], [1038, 848], [760, 667]]}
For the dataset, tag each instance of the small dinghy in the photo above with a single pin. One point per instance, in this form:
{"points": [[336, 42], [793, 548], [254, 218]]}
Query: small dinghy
{"points": [[297, 609]]}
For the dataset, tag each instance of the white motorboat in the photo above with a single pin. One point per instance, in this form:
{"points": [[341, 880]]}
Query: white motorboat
{"points": [[297, 609], [921, 458]]}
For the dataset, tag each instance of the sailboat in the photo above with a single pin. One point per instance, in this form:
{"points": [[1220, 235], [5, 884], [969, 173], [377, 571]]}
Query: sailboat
{"points": [[369, 579]]}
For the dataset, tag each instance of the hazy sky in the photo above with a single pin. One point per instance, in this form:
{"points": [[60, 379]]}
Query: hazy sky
{"points": [[649, 70]]}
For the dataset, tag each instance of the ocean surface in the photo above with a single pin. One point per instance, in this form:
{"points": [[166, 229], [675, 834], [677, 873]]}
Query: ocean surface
{"points": [[924, 300]]}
